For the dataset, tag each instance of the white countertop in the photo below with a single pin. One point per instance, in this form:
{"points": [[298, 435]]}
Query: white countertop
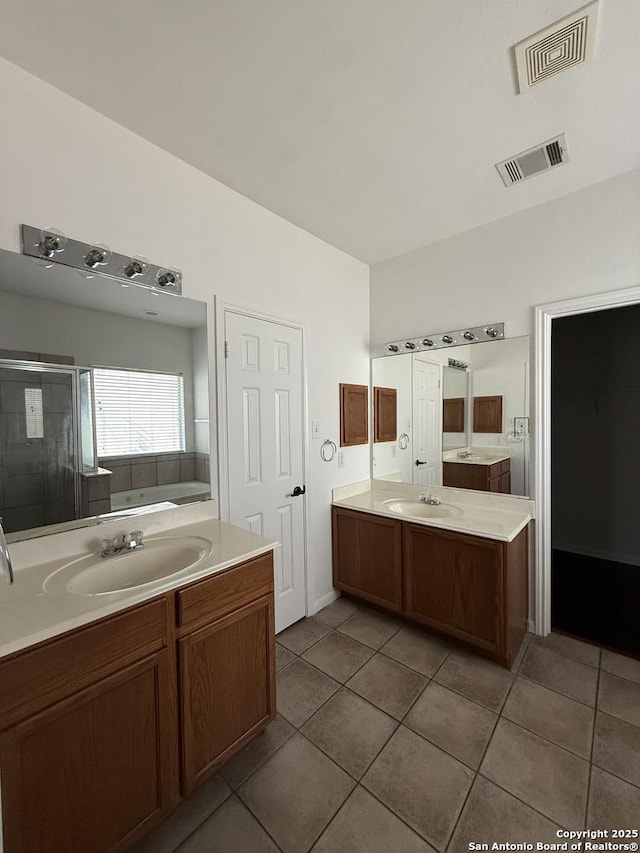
{"points": [[485, 514], [479, 455], [30, 615]]}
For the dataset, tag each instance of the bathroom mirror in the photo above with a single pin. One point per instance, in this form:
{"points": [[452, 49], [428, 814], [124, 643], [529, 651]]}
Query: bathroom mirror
{"points": [[104, 398], [435, 443]]}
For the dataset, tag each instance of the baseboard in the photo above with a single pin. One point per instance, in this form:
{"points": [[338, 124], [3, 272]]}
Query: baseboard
{"points": [[610, 556], [321, 603], [531, 626]]}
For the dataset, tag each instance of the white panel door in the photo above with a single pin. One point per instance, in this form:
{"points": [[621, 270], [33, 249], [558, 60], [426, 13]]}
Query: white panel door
{"points": [[264, 380], [427, 423]]}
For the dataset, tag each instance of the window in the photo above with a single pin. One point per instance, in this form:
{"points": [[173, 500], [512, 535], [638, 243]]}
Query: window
{"points": [[138, 411]]}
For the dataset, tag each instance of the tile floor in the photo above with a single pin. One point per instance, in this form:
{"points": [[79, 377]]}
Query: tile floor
{"points": [[389, 740]]}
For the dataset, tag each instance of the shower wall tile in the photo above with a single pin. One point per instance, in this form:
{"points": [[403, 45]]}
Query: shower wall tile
{"points": [[22, 490]]}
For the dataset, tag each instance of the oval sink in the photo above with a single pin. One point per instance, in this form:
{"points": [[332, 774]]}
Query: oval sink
{"points": [[418, 509], [160, 558]]}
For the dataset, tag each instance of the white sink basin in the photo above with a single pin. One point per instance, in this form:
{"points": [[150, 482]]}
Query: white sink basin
{"points": [[160, 558], [418, 509]]}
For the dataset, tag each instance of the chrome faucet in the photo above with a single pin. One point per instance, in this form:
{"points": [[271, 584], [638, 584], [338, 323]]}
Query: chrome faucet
{"points": [[5, 556], [464, 454], [432, 500], [127, 543]]}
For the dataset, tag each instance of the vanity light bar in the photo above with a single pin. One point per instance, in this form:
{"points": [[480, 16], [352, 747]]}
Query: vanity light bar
{"points": [[51, 247], [461, 337]]}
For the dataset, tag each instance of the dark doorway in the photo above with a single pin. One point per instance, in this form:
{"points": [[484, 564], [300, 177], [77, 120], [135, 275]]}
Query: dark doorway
{"points": [[595, 476]]}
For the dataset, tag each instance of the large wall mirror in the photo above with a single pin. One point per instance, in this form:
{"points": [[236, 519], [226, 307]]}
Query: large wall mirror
{"points": [[462, 417], [104, 398]]}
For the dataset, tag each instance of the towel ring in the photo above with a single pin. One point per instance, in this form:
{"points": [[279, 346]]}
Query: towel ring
{"points": [[328, 450], [403, 441]]}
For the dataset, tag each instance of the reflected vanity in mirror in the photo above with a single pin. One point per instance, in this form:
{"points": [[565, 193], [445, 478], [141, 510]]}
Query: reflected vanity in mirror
{"points": [[462, 417], [104, 398]]}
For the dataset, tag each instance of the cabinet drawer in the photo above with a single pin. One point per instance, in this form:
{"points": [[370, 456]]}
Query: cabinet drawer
{"points": [[229, 590], [505, 466], [34, 679]]}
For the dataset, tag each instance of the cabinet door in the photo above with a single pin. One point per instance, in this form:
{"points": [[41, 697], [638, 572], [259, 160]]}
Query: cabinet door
{"points": [[227, 685], [454, 583], [96, 771], [367, 556], [463, 475]]}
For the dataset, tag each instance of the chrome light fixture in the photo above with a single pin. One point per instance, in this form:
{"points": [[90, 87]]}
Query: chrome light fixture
{"points": [[49, 246], [98, 255], [135, 267], [455, 338], [167, 279], [51, 241]]}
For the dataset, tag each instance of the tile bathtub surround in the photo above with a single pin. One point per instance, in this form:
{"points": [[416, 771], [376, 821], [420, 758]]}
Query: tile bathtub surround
{"points": [[477, 754], [143, 471]]}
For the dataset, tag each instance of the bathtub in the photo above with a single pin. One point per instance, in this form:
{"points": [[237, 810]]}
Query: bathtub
{"points": [[176, 493]]}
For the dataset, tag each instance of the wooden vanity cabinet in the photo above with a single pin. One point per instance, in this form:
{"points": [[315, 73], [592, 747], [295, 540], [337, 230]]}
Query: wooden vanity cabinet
{"points": [[367, 557], [88, 734], [226, 660], [468, 588], [483, 478], [99, 727]]}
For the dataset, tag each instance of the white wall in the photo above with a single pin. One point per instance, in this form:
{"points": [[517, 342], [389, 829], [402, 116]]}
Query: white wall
{"points": [[586, 242], [65, 165]]}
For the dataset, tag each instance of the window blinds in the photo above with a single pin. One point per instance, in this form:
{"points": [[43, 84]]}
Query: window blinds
{"points": [[138, 411]]}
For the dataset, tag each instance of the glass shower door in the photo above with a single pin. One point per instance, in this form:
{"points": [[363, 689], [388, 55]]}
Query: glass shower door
{"points": [[38, 446]]}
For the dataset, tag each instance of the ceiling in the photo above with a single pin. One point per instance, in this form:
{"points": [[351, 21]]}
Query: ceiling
{"points": [[373, 124]]}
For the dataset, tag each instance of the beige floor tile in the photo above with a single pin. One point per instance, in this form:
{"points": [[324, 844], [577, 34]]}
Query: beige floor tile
{"points": [[283, 657], [351, 731], [417, 650], [456, 724], [337, 612], [421, 784], [245, 762], [570, 648], [296, 793], [301, 689], [231, 828], [301, 636], [189, 815], [613, 804], [621, 665], [616, 748], [338, 655], [620, 698], [575, 680], [546, 777], [371, 628], [492, 815], [388, 684], [364, 825], [551, 715], [477, 679]]}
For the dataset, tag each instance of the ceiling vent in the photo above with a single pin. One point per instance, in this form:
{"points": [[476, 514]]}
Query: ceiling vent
{"points": [[566, 43], [543, 157]]}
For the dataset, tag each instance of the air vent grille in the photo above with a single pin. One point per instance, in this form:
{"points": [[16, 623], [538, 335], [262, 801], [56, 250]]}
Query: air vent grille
{"points": [[554, 153], [535, 160], [564, 44]]}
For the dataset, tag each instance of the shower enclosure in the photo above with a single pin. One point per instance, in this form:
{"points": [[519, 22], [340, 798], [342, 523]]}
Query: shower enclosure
{"points": [[46, 442]]}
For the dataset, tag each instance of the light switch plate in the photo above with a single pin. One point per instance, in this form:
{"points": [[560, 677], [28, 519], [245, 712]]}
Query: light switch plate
{"points": [[315, 429], [341, 459]]}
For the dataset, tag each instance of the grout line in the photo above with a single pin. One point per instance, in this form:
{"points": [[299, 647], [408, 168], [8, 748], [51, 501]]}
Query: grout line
{"points": [[593, 742]]}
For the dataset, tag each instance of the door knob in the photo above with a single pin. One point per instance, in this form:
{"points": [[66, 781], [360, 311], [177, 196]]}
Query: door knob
{"points": [[299, 490], [418, 462]]}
